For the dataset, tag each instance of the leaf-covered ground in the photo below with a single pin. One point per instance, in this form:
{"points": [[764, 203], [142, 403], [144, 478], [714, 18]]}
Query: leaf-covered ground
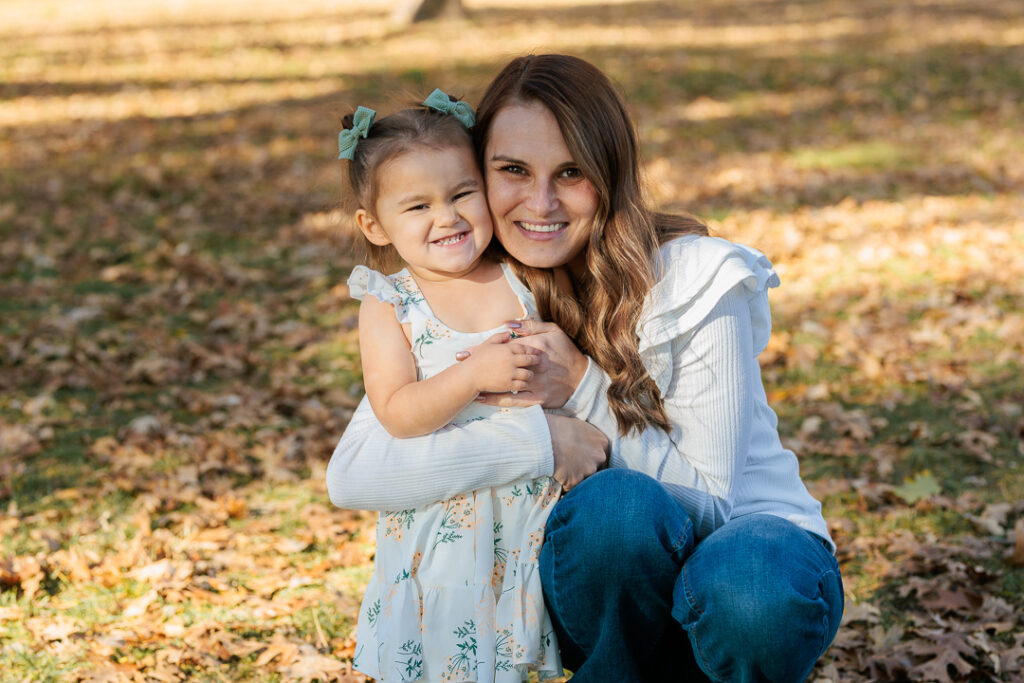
{"points": [[178, 357]]}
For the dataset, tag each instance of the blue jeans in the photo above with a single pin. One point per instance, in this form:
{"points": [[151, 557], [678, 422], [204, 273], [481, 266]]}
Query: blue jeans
{"points": [[634, 597]]}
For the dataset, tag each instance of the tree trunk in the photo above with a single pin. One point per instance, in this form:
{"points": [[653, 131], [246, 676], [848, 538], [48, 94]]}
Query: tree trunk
{"points": [[409, 11]]}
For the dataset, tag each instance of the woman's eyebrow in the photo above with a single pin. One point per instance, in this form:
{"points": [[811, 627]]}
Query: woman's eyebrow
{"points": [[508, 159]]}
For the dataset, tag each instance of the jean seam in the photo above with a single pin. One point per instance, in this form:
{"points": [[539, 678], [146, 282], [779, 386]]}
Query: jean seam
{"points": [[556, 517], [682, 536], [825, 575], [694, 641]]}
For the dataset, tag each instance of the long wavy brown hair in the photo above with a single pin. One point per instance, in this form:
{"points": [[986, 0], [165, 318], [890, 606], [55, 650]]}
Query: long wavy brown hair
{"points": [[601, 315]]}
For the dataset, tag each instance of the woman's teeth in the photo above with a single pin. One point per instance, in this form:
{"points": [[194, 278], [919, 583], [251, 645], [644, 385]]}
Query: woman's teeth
{"points": [[541, 227]]}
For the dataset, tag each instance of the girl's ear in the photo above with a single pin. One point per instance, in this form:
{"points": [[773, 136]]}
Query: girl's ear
{"points": [[369, 226]]}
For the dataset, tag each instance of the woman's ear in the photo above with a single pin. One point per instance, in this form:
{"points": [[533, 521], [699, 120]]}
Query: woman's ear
{"points": [[369, 226]]}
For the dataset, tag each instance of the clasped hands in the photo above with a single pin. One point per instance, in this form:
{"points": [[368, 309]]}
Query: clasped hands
{"points": [[547, 369]]}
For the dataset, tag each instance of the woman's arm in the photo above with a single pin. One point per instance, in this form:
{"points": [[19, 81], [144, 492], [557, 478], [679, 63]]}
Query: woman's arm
{"points": [[409, 407], [708, 401], [372, 470]]}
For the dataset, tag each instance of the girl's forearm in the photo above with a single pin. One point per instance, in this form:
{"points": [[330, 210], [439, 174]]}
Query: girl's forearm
{"points": [[422, 407]]}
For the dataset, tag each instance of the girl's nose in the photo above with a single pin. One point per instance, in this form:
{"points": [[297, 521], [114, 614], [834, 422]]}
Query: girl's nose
{"points": [[542, 199], [446, 215]]}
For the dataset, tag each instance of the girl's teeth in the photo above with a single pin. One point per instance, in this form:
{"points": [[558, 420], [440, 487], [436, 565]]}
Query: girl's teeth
{"points": [[546, 227], [450, 240]]}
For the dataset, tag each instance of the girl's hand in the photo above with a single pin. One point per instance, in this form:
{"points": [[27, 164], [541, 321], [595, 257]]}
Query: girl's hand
{"points": [[500, 365], [555, 377], [580, 449]]}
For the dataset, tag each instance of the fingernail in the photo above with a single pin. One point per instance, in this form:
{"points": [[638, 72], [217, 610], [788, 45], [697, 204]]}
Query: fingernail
{"points": [[514, 325], [461, 355]]}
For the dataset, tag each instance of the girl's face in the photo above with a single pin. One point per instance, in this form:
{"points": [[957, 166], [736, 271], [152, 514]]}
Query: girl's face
{"points": [[431, 207], [543, 208]]}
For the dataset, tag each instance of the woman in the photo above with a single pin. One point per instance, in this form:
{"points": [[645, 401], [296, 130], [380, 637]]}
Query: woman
{"points": [[699, 552]]}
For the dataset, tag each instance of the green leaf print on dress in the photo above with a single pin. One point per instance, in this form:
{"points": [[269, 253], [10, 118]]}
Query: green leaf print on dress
{"points": [[412, 665], [407, 289], [431, 333], [458, 515], [395, 522], [372, 612], [463, 662]]}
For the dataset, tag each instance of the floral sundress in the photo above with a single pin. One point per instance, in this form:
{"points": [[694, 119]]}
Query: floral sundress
{"points": [[455, 593]]}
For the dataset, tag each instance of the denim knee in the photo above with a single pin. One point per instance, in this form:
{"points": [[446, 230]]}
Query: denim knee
{"points": [[761, 600]]}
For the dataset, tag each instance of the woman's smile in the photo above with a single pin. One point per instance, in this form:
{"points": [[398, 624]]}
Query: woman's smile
{"points": [[541, 231]]}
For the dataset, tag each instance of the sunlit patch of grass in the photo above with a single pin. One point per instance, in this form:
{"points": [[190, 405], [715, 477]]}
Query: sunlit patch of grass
{"points": [[875, 156]]}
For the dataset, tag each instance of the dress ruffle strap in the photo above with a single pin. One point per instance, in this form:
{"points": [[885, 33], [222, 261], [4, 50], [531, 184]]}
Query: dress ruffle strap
{"points": [[387, 289]]}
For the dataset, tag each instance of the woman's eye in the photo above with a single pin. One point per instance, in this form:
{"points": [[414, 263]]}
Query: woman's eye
{"points": [[513, 169], [572, 173]]}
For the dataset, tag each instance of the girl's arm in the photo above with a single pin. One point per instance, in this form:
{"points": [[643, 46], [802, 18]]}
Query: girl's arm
{"points": [[407, 407], [709, 402]]}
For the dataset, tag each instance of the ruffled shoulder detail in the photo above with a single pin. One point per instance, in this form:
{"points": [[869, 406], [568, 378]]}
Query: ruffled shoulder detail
{"points": [[399, 289], [694, 273]]}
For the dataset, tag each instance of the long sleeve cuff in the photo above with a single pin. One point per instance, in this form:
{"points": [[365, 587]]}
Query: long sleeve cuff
{"points": [[589, 401]]}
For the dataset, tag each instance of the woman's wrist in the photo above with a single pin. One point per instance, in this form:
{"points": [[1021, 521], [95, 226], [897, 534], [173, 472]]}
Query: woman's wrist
{"points": [[590, 390]]}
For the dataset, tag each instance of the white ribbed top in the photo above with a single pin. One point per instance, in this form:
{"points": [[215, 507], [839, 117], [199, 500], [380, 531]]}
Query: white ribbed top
{"points": [[703, 326]]}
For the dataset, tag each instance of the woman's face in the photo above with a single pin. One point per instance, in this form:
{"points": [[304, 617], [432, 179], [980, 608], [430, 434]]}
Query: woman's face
{"points": [[542, 206]]}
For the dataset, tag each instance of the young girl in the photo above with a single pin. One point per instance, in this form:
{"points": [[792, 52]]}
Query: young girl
{"points": [[455, 593]]}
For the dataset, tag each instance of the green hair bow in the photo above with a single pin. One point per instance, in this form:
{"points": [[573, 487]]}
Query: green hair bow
{"points": [[439, 101], [348, 138]]}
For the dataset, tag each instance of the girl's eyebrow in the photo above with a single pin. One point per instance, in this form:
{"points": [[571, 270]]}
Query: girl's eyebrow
{"points": [[468, 183]]}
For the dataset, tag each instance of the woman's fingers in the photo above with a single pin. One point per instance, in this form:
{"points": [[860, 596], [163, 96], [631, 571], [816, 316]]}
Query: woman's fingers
{"points": [[525, 328]]}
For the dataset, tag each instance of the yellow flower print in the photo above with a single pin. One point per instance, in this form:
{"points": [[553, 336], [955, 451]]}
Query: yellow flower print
{"points": [[534, 542], [459, 514]]}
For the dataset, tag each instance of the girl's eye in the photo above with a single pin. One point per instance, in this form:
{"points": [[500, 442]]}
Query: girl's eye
{"points": [[417, 207], [460, 195]]}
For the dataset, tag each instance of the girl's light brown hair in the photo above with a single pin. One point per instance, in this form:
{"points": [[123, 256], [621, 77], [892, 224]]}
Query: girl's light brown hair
{"points": [[620, 254], [388, 138]]}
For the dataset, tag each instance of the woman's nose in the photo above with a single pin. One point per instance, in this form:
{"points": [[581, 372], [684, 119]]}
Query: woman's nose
{"points": [[542, 199]]}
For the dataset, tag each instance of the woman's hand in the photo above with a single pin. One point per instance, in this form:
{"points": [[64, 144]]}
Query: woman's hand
{"points": [[580, 449], [555, 377]]}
